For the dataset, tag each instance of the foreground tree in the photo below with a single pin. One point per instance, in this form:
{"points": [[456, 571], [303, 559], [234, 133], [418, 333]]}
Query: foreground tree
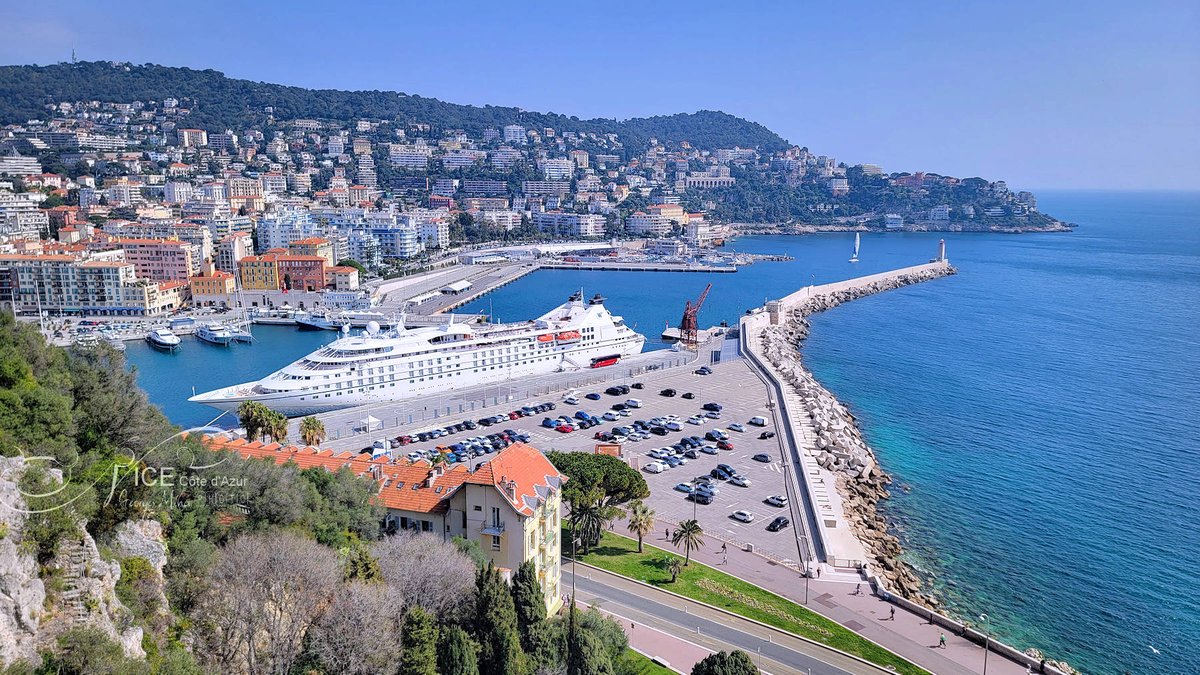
{"points": [[529, 601], [495, 625], [357, 634], [252, 415], [419, 639], [641, 521], [457, 653], [586, 654], [736, 662], [675, 567], [426, 571], [265, 592], [312, 431], [690, 535]]}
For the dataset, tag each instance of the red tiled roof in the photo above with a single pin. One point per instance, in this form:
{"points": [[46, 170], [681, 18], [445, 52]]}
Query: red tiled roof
{"points": [[524, 468]]}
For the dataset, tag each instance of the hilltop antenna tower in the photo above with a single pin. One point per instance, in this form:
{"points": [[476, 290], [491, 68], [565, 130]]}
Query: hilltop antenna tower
{"points": [[688, 328]]}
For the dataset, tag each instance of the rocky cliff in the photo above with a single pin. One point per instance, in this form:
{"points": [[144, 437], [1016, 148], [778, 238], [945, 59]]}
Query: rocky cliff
{"points": [[82, 592]]}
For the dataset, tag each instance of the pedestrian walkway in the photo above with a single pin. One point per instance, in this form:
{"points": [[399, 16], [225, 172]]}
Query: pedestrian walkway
{"points": [[908, 634]]}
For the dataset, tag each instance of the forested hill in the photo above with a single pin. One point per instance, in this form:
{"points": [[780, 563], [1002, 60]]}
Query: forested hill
{"points": [[223, 102]]}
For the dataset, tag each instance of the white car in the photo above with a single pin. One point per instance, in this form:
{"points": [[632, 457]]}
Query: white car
{"points": [[674, 426], [653, 467], [710, 450], [624, 413], [744, 516], [657, 453], [695, 419], [740, 481], [571, 400], [634, 403], [713, 415], [758, 421], [777, 500]]}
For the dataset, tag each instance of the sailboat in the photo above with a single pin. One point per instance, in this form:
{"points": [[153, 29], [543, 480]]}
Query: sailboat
{"points": [[857, 241]]}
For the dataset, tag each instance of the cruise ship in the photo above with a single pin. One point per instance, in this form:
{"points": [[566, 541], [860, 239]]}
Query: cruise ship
{"points": [[377, 366]]}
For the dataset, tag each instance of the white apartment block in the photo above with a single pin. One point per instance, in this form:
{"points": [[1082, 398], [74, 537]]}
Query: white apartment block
{"points": [[570, 224], [514, 133], [648, 224], [557, 169]]}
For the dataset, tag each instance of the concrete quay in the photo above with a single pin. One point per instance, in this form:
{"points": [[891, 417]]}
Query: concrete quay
{"points": [[639, 267]]}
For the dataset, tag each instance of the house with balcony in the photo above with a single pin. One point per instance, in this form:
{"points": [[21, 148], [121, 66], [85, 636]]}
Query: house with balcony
{"points": [[510, 505]]}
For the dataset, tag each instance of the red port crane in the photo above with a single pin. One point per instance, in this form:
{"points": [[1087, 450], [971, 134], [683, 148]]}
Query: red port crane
{"points": [[687, 325]]}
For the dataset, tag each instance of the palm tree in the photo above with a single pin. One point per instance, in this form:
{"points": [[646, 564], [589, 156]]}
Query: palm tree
{"points": [[691, 535], [674, 566], [252, 416], [312, 431], [587, 520], [641, 521], [276, 426]]}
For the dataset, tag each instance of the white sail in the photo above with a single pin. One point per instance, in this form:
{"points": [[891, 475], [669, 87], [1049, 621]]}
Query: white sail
{"points": [[857, 242]]}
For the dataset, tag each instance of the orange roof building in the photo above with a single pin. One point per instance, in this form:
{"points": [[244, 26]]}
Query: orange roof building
{"points": [[510, 505]]}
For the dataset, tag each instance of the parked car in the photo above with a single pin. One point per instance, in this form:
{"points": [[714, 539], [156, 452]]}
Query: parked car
{"points": [[701, 498], [778, 524], [571, 400], [737, 427], [740, 481], [713, 415], [689, 395], [691, 454], [704, 370], [727, 469], [725, 445], [743, 515], [610, 416], [634, 403], [765, 435], [658, 430], [674, 426], [667, 392], [709, 450], [592, 396], [685, 488], [719, 474], [777, 500], [758, 421], [761, 457], [638, 385], [613, 391], [653, 467], [715, 407], [695, 419]]}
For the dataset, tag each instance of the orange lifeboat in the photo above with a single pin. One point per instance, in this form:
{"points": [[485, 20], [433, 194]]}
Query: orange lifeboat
{"points": [[546, 338], [568, 336]]}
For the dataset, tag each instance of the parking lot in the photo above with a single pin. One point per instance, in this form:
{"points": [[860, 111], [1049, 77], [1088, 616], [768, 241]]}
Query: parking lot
{"points": [[742, 395], [732, 385]]}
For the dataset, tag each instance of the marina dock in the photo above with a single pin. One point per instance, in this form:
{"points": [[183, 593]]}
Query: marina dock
{"points": [[639, 267]]}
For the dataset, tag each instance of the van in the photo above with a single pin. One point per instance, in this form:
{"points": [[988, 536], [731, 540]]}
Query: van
{"points": [[653, 467], [634, 403], [758, 421], [380, 447]]}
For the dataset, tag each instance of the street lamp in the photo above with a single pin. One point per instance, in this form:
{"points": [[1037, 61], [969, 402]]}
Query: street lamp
{"points": [[986, 641], [574, 542]]}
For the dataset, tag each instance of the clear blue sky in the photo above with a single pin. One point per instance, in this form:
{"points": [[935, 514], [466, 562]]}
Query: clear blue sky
{"points": [[1046, 95]]}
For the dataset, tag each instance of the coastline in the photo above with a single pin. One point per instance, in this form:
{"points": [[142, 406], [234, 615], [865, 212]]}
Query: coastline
{"points": [[839, 448], [798, 229]]}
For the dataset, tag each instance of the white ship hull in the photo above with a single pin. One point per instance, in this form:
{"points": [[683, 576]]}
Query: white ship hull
{"points": [[428, 361]]}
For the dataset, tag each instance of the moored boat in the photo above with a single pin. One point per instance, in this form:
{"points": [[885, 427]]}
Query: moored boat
{"points": [[163, 338], [216, 334]]}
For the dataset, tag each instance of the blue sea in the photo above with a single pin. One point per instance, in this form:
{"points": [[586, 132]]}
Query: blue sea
{"points": [[1039, 411]]}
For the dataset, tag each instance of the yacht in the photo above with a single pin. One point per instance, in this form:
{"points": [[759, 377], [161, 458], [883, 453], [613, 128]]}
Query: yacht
{"points": [[339, 320], [163, 338], [857, 243], [215, 333], [377, 365]]}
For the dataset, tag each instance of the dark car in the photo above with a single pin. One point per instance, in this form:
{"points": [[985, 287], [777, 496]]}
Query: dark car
{"points": [[766, 434], [691, 454], [689, 395], [778, 524], [761, 457], [719, 474], [702, 498], [659, 431], [619, 406], [593, 396], [613, 391], [638, 385], [667, 392], [704, 370], [714, 407]]}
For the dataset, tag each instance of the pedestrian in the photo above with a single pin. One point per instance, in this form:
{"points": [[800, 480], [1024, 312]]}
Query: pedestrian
{"points": [[818, 571], [941, 641], [724, 559], [667, 533], [723, 547], [858, 589], [892, 615]]}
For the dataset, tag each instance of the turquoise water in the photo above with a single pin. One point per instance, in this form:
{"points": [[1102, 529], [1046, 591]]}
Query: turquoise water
{"points": [[1041, 407]]}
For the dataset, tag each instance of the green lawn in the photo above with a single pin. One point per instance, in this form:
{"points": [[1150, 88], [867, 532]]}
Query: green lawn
{"points": [[633, 663], [619, 554]]}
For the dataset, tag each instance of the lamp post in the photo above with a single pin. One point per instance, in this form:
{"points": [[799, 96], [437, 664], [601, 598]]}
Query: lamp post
{"points": [[986, 641], [574, 542]]}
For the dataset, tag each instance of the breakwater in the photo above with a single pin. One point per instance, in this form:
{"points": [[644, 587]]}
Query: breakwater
{"points": [[835, 443]]}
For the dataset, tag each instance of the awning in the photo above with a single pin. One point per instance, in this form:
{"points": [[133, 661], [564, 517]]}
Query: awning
{"points": [[370, 423]]}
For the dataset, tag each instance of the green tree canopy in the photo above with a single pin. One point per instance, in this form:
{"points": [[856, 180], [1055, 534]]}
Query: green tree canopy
{"points": [[457, 653], [495, 625], [419, 639], [736, 662]]}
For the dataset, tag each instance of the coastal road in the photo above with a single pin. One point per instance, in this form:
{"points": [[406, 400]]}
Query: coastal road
{"points": [[774, 651]]}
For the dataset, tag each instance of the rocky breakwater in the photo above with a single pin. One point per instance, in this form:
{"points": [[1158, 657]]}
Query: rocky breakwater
{"points": [[839, 444]]}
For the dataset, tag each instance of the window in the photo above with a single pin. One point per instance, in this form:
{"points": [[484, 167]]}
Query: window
{"points": [[495, 543], [478, 507]]}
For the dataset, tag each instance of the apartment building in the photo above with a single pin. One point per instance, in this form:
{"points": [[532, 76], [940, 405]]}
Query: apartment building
{"points": [[158, 259], [232, 248], [569, 224], [510, 505], [313, 246]]}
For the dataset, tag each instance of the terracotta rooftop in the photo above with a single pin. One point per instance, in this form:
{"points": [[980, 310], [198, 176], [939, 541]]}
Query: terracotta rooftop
{"points": [[418, 486]]}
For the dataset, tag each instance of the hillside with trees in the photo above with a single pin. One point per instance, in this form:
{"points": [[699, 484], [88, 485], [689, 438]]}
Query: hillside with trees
{"points": [[226, 103]]}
